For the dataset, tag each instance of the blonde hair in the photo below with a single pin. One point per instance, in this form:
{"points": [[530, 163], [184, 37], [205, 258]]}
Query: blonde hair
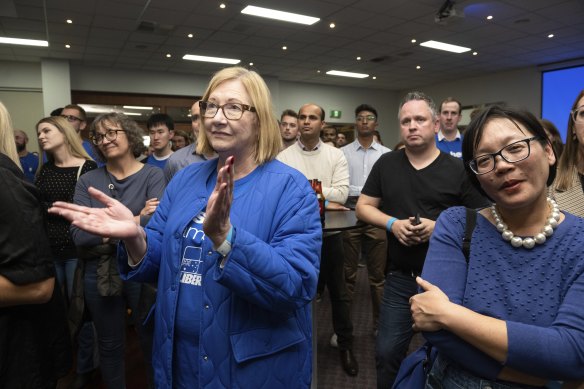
{"points": [[72, 139], [269, 141], [568, 163], [7, 143]]}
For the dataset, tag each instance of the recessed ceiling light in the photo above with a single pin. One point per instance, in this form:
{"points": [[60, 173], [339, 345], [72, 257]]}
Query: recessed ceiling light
{"points": [[490, 17], [332, 25], [168, 55], [251, 64], [445, 46], [68, 46], [318, 71], [550, 35], [358, 58], [284, 48], [222, 6], [414, 41], [190, 35], [475, 53], [346, 74], [24, 42], [279, 15], [202, 58], [374, 77], [137, 107], [69, 21], [418, 67]]}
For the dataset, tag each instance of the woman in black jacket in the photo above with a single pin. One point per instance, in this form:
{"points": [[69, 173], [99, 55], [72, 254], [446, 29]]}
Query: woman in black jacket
{"points": [[34, 344]]}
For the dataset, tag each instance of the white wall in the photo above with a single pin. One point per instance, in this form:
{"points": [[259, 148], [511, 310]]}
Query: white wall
{"points": [[284, 94], [519, 88], [26, 109], [135, 81], [345, 99], [20, 75]]}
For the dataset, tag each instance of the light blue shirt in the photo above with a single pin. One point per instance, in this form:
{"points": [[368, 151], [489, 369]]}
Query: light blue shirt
{"points": [[361, 160]]}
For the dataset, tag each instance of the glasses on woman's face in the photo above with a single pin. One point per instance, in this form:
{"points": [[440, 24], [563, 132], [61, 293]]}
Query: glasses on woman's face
{"points": [[232, 111], [512, 153], [578, 115], [110, 135]]}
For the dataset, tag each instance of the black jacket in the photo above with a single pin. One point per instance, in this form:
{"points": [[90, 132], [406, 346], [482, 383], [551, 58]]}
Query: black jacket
{"points": [[34, 344]]}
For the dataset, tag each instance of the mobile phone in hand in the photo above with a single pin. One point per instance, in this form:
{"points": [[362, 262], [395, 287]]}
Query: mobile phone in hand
{"points": [[417, 219]]}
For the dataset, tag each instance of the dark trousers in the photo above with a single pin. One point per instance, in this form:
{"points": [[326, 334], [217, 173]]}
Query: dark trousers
{"points": [[108, 314], [333, 273], [109, 317], [395, 327]]}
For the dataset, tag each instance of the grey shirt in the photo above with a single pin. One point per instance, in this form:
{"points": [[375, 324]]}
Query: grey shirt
{"points": [[132, 191], [180, 159]]}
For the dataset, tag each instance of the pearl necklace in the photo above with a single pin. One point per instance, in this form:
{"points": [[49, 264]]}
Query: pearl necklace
{"points": [[529, 242]]}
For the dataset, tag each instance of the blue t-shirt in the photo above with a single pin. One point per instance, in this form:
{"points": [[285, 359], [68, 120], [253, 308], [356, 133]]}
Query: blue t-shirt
{"points": [[188, 312], [452, 147], [89, 148], [30, 164], [152, 160], [190, 296]]}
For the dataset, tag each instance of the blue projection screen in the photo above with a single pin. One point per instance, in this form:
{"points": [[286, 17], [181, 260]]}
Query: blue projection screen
{"points": [[559, 90]]}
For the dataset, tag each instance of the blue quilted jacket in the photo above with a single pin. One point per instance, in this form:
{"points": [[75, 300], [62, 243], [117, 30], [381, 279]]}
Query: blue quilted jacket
{"points": [[256, 322]]}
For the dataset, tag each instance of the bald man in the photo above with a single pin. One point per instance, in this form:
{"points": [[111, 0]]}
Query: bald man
{"points": [[28, 160]]}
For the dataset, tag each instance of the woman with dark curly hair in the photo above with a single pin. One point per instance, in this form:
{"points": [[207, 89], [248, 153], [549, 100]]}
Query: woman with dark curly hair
{"points": [[139, 187]]}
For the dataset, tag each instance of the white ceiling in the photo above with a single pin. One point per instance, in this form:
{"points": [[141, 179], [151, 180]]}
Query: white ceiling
{"points": [[107, 33]]}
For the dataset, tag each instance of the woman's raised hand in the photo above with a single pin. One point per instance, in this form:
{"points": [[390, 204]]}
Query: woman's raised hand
{"points": [[113, 221], [217, 222]]}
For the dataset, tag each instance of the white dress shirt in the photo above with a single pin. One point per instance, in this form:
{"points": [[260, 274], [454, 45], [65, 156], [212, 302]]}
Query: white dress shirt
{"points": [[361, 160]]}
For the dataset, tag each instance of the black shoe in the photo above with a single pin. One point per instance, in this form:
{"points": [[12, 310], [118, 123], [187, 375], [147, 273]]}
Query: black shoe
{"points": [[81, 380], [350, 365]]}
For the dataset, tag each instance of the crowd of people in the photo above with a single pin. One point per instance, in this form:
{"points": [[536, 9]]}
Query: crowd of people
{"points": [[215, 245]]}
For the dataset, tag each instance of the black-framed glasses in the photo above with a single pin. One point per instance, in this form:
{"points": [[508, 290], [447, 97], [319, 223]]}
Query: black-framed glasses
{"points": [[71, 118], [512, 153], [232, 111], [366, 118], [110, 135], [578, 115]]}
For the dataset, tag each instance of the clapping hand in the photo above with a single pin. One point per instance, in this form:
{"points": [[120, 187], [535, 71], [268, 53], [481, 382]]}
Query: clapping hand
{"points": [[113, 221], [217, 221]]}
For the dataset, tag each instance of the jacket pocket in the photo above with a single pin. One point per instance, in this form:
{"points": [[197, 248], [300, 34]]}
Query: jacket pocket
{"points": [[260, 342]]}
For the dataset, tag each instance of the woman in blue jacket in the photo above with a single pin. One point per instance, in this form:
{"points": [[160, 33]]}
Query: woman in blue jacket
{"points": [[235, 246]]}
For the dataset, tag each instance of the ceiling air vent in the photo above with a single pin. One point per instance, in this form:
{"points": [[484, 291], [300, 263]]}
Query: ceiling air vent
{"points": [[382, 58], [154, 27]]}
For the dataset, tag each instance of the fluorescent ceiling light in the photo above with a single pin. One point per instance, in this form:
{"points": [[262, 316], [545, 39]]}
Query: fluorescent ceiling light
{"points": [[445, 46], [95, 109], [136, 107], [346, 74], [24, 42], [202, 58], [132, 113], [279, 15]]}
